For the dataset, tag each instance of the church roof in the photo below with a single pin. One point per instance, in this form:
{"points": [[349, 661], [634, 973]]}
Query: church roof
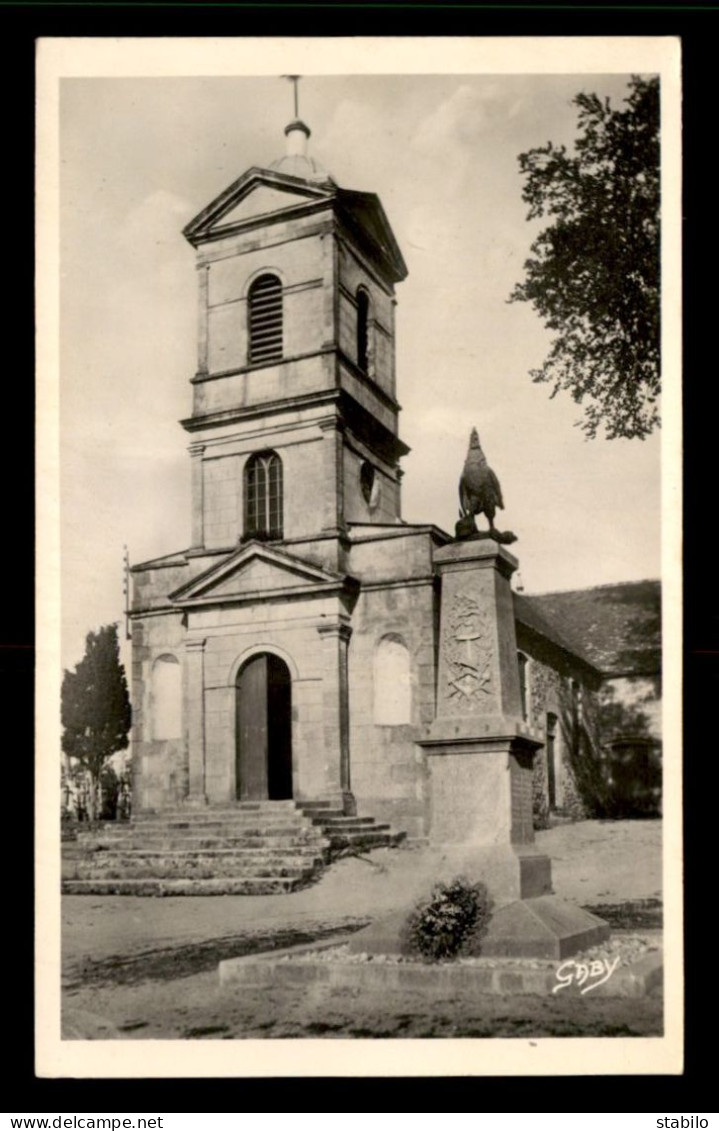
{"points": [[616, 628]]}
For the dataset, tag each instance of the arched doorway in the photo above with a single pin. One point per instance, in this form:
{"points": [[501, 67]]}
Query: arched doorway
{"points": [[264, 729]]}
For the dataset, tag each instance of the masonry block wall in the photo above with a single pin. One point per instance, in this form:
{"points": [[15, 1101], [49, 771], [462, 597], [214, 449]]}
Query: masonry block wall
{"points": [[558, 686], [397, 603], [256, 630], [389, 777], [309, 489], [383, 506], [159, 765], [299, 252], [355, 272]]}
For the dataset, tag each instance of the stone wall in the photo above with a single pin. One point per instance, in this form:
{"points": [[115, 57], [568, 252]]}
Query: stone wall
{"points": [[308, 489], [151, 584], [388, 769], [384, 504], [295, 252], [159, 766], [558, 686], [353, 274]]}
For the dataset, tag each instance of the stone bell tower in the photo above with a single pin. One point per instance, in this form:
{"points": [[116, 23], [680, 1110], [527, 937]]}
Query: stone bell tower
{"points": [[294, 421], [294, 445]]}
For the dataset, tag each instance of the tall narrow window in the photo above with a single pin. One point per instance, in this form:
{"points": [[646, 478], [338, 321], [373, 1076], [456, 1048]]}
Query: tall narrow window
{"points": [[263, 496], [523, 689], [551, 759], [577, 703], [265, 319], [363, 330]]}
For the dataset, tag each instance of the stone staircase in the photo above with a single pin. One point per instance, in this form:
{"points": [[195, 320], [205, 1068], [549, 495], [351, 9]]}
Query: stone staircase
{"points": [[249, 848], [349, 834]]}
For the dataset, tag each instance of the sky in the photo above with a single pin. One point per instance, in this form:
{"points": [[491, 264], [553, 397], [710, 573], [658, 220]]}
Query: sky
{"points": [[140, 157]]}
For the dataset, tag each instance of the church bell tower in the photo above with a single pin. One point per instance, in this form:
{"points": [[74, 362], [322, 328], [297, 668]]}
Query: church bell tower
{"points": [[294, 420], [295, 457]]}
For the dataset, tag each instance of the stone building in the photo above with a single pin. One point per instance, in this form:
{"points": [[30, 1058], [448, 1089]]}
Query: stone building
{"points": [[291, 653], [594, 678]]}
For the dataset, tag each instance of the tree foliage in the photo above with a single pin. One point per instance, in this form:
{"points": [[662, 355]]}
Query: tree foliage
{"points": [[593, 276], [96, 713]]}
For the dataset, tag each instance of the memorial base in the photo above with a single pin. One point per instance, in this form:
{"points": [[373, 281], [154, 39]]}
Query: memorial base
{"points": [[509, 871], [543, 927]]}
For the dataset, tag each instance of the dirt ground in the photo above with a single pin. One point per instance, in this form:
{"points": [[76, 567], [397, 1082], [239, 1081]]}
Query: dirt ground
{"points": [[137, 968]]}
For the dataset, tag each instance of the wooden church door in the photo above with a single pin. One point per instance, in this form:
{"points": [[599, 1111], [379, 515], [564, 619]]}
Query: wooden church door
{"points": [[264, 730]]}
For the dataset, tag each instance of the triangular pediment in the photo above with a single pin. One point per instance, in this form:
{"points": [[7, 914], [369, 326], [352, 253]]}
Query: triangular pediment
{"points": [[256, 571], [259, 195]]}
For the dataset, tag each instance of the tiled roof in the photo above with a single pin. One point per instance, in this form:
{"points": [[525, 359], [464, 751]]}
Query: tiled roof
{"points": [[616, 628]]}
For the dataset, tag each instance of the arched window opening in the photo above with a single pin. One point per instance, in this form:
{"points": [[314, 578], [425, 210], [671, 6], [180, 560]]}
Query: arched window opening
{"points": [[369, 484], [263, 496], [523, 662], [392, 683], [363, 329], [265, 319], [166, 698]]}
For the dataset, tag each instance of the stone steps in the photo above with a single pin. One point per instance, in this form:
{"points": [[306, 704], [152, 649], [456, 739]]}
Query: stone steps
{"points": [[183, 822], [267, 809], [240, 854], [188, 866], [210, 829], [304, 840], [159, 887], [350, 832], [380, 837], [341, 822], [201, 846], [251, 848]]}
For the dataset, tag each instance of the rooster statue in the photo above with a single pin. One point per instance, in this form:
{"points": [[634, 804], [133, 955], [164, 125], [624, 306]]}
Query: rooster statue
{"points": [[479, 493]]}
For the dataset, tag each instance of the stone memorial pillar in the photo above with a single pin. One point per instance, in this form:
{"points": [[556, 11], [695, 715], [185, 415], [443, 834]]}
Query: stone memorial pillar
{"points": [[479, 749], [480, 752]]}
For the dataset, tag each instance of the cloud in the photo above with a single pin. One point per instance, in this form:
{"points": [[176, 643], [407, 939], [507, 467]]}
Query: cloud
{"points": [[350, 144], [459, 121], [442, 421], [156, 219]]}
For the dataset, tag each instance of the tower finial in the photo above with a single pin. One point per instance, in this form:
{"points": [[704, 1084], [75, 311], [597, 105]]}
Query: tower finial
{"points": [[295, 79], [297, 131]]}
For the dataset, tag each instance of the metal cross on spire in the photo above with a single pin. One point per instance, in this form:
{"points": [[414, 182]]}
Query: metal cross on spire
{"points": [[295, 79]]}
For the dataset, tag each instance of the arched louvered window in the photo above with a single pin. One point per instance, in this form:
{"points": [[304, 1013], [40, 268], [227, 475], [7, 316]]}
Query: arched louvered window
{"points": [[263, 496], [265, 319], [363, 329]]}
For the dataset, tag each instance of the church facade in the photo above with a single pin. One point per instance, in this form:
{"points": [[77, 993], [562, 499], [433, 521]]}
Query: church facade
{"points": [[292, 651]]}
